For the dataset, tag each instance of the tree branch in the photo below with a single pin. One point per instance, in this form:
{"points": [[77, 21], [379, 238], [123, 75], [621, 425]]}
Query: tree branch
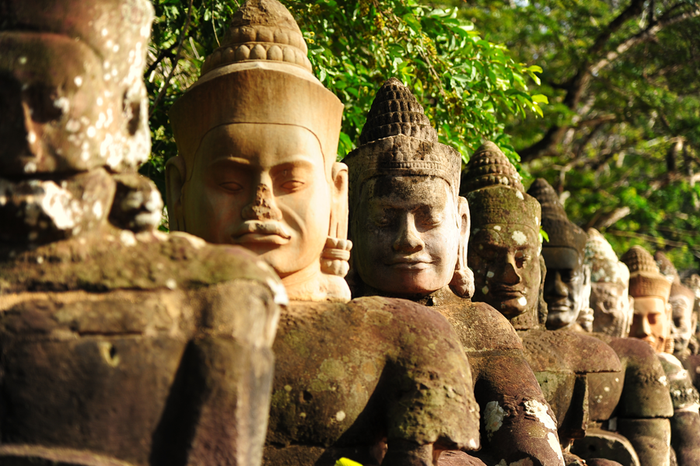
{"points": [[181, 41], [578, 84]]}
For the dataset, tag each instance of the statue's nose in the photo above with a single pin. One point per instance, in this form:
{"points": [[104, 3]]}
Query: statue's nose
{"points": [[262, 205]]}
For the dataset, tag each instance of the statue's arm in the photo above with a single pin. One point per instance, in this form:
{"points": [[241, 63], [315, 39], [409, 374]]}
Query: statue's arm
{"points": [[516, 420]]}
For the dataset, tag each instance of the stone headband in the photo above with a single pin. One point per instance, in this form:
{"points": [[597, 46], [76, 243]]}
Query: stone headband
{"points": [[256, 92], [561, 231], [492, 186]]}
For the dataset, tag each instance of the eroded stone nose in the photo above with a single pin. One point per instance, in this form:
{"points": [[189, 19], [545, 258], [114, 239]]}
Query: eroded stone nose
{"points": [[262, 206]]}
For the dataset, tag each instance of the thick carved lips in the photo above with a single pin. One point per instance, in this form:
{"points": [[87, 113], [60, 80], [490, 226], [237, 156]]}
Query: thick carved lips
{"points": [[261, 232], [409, 262]]}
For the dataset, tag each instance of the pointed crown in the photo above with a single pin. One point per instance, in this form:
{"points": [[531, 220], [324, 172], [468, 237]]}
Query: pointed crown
{"points": [[561, 231], [495, 192], [645, 278], [397, 139], [605, 266], [260, 30], [260, 74]]}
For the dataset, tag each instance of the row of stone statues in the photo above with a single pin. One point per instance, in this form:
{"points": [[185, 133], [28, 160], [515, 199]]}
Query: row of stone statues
{"points": [[251, 335]]}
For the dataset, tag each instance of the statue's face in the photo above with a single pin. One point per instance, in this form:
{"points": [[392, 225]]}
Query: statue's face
{"points": [[59, 113], [505, 261], [649, 322], [611, 309], [564, 286], [264, 187], [681, 322], [406, 233]]}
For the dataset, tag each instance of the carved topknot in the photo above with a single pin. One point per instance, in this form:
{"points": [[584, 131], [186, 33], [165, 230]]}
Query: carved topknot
{"points": [[262, 30], [666, 267], [397, 140], [489, 166], [561, 231], [396, 111], [645, 278], [605, 266]]}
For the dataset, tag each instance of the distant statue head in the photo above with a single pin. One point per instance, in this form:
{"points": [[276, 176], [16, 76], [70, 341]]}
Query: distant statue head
{"points": [[504, 248], [610, 300], [682, 299], [650, 290], [567, 284], [257, 136], [74, 109], [409, 225]]}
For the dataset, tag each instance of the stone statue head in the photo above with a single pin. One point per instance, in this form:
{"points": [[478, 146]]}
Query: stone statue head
{"points": [[409, 225], [567, 284], [610, 300], [681, 300], [74, 107], [505, 246], [257, 136], [650, 290]]}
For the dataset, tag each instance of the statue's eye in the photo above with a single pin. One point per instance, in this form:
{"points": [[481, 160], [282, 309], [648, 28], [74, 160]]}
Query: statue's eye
{"points": [[231, 186], [292, 185]]}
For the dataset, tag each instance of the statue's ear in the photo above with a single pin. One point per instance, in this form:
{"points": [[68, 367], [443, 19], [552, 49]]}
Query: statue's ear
{"points": [[462, 283], [175, 173], [338, 227]]}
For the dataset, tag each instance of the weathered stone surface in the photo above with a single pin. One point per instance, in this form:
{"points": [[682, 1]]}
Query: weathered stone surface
{"points": [[394, 373], [146, 341]]}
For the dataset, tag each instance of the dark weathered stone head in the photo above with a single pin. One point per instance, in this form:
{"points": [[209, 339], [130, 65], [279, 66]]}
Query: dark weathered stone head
{"points": [[408, 223], [257, 136], [74, 109], [681, 300], [567, 284], [650, 290], [505, 246], [610, 301]]}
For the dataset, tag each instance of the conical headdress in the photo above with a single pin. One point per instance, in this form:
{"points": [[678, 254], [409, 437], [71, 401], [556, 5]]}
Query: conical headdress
{"points": [[495, 193], [260, 74], [669, 271], [605, 266], [645, 278], [561, 231], [397, 139]]}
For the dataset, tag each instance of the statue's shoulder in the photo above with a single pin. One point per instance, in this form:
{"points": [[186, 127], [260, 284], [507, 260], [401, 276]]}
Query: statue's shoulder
{"points": [[403, 314], [118, 259], [480, 326], [561, 350]]}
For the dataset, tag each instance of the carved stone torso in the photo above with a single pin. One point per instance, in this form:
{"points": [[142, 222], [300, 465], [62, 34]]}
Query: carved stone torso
{"points": [[351, 377], [144, 348]]}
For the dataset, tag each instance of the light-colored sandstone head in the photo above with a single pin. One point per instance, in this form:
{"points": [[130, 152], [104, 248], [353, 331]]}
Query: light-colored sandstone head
{"points": [[610, 301], [74, 110], [681, 300], [504, 247], [567, 284], [257, 136], [408, 223], [650, 290]]}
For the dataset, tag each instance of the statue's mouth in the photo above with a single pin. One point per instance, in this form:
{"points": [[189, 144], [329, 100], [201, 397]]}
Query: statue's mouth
{"points": [[559, 307], [508, 292], [410, 263], [261, 232]]}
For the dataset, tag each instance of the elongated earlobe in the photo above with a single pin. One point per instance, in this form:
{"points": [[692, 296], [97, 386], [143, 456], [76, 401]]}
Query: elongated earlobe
{"points": [[336, 253], [175, 173], [462, 283]]}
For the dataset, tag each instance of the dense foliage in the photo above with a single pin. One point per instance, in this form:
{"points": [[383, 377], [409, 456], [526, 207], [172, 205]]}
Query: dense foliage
{"points": [[621, 135], [466, 84]]}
